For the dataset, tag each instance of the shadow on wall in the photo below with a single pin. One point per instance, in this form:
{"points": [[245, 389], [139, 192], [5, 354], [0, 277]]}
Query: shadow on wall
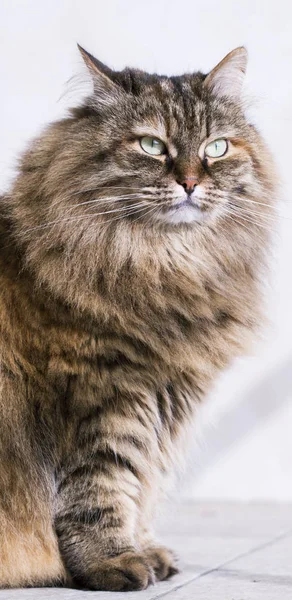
{"points": [[252, 408]]}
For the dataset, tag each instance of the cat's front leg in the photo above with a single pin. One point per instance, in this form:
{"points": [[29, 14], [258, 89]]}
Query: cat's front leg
{"points": [[162, 558], [101, 498]]}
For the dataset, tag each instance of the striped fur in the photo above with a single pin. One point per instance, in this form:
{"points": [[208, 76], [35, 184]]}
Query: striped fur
{"points": [[114, 324]]}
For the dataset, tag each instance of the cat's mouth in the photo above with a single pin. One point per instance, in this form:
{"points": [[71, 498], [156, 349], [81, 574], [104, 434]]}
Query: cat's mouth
{"points": [[188, 201], [185, 210]]}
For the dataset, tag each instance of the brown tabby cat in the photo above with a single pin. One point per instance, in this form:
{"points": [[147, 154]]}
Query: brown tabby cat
{"points": [[133, 243]]}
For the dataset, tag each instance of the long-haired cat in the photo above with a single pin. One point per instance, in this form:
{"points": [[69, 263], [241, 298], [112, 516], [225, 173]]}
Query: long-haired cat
{"points": [[133, 243]]}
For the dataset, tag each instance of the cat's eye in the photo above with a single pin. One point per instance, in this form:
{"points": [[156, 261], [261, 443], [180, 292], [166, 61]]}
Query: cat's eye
{"points": [[152, 146], [216, 148]]}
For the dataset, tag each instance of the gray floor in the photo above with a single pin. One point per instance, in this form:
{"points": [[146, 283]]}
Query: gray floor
{"points": [[227, 552]]}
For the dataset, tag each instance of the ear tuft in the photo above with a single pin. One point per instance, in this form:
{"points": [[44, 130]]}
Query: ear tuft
{"points": [[226, 79], [105, 89], [93, 64]]}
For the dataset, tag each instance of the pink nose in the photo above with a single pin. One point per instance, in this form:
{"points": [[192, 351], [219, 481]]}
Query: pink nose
{"points": [[189, 184]]}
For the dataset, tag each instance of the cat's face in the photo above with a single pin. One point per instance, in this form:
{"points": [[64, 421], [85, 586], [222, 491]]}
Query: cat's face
{"points": [[178, 152], [163, 150]]}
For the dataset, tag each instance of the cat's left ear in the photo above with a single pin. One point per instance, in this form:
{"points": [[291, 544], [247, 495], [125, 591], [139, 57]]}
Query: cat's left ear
{"points": [[226, 79], [105, 88]]}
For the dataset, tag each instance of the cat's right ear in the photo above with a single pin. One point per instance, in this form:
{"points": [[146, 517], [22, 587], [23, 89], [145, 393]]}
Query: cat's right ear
{"points": [[106, 90]]}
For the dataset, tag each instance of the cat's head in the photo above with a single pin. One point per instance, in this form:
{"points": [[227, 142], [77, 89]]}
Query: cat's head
{"points": [[161, 150], [151, 151], [148, 170]]}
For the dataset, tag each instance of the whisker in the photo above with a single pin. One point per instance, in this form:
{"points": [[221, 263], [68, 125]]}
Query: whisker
{"points": [[255, 213], [93, 190], [122, 208], [146, 213], [77, 217], [103, 199], [254, 220], [228, 215], [248, 199], [249, 220], [274, 209], [106, 187], [120, 217], [243, 198], [108, 200]]}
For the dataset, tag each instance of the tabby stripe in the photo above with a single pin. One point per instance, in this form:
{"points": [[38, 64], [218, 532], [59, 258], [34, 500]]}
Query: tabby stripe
{"points": [[83, 472], [102, 461], [89, 516]]}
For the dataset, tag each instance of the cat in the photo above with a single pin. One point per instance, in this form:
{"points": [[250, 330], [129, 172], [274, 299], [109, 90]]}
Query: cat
{"points": [[133, 247]]}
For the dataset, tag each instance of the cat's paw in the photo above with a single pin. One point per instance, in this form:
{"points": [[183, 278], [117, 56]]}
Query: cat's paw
{"points": [[127, 572], [131, 571], [162, 561]]}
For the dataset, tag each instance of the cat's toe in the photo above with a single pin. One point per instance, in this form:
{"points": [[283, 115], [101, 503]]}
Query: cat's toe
{"points": [[127, 572], [162, 561]]}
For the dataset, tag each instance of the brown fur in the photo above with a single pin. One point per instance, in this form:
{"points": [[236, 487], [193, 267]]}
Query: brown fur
{"points": [[114, 324]]}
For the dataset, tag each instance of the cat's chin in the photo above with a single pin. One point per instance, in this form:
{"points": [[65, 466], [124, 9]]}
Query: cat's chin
{"points": [[182, 214]]}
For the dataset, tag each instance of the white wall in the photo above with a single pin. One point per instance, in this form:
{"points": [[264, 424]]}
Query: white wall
{"points": [[247, 453]]}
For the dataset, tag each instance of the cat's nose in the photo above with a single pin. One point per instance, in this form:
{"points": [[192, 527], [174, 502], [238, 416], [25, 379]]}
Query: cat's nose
{"points": [[189, 184]]}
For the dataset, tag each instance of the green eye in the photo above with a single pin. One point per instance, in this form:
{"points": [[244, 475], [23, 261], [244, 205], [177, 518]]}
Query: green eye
{"points": [[216, 149], [152, 146]]}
